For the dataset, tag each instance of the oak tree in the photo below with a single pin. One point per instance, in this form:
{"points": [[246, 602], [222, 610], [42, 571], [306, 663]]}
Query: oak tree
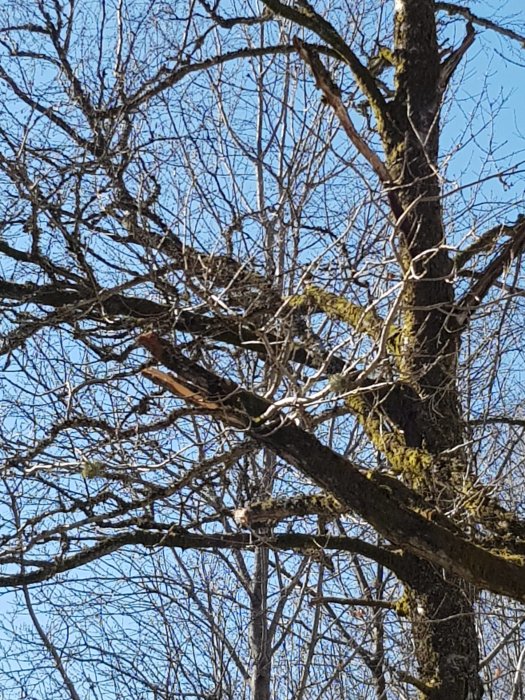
{"points": [[262, 335]]}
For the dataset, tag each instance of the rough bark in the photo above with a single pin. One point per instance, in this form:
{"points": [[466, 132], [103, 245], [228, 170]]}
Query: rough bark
{"points": [[445, 637]]}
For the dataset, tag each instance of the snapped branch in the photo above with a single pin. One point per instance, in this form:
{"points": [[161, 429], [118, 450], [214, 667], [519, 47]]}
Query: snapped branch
{"points": [[382, 501], [332, 96], [304, 15]]}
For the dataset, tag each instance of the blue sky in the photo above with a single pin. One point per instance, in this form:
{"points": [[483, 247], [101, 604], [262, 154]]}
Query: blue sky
{"points": [[484, 128]]}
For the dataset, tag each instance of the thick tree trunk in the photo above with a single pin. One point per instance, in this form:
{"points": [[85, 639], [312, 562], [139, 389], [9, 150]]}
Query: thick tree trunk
{"points": [[440, 609], [444, 634]]}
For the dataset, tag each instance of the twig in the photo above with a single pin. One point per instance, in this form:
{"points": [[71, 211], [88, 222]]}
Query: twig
{"points": [[453, 9]]}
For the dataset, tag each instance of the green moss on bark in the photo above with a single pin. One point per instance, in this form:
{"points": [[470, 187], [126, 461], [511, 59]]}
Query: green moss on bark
{"points": [[413, 463], [363, 320]]}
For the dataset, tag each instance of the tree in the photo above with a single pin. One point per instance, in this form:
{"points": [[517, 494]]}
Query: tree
{"points": [[262, 392]]}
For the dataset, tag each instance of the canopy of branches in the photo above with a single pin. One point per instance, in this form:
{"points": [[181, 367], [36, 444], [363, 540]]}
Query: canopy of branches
{"points": [[262, 349]]}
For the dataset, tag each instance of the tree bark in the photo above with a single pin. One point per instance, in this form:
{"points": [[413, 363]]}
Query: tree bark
{"points": [[440, 609], [260, 643]]}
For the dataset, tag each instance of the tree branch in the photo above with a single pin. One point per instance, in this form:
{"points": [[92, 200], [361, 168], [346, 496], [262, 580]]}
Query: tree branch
{"points": [[332, 95], [382, 501], [452, 62], [273, 509], [511, 250], [181, 539], [484, 243], [365, 602], [454, 9], [304, 15], [231, 330], [167, 78]]}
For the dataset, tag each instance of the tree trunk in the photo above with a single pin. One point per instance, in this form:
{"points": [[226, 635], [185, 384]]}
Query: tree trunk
{"points": [[440, 609], [260, 643], [444, 633]]}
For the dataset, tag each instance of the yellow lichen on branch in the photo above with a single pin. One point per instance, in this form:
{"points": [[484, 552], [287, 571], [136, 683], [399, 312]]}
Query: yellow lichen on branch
{"points": [[413, 463], [363, 320], [273, 509]]}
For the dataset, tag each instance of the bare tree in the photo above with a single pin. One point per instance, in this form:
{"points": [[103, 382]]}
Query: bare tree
{"points": [[262, 395]]}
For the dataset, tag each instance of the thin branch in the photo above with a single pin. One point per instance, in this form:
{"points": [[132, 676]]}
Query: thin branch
{"points": [[502, 642], [50, 647], [511, 250], [228, 23], [454, 9], [517, 685], [46, 111], [423, 687]]}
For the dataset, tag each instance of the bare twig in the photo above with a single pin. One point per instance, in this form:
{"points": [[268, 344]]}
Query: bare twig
{"points": [[509, 252], [454, 9]]}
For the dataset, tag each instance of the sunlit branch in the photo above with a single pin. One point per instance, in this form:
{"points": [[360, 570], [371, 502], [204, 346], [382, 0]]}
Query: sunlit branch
{"points": [[332, 95], [454, 9], [383, 501], [364, 602], [181, 539], [509, 252]]}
